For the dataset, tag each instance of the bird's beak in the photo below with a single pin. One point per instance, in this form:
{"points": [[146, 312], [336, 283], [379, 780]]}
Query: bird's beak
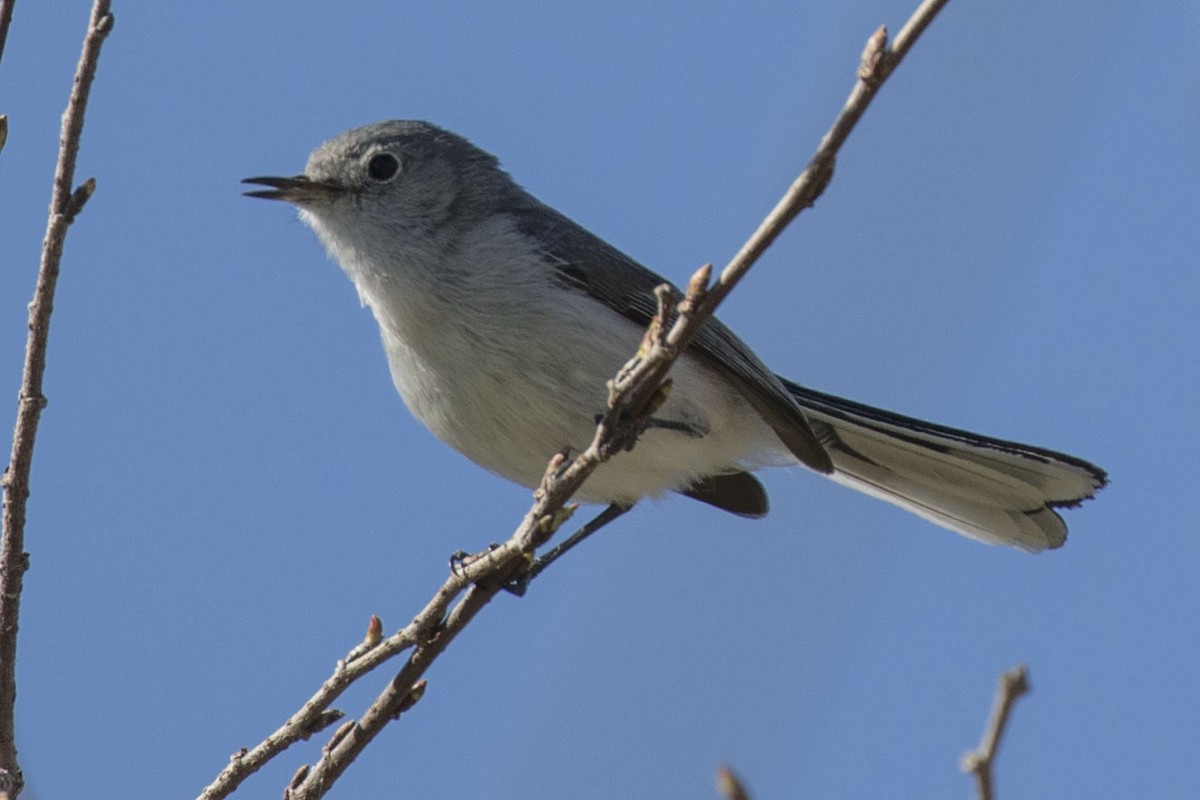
{"points": [[300, 189]]}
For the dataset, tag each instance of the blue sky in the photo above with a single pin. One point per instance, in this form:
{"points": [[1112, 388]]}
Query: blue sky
{"points": [[227, 486]]}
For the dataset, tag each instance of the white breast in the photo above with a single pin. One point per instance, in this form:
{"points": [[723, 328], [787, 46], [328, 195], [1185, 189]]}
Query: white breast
{"points": [[507, 367]]}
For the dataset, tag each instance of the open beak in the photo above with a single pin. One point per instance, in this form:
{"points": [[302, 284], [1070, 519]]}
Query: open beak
{"points": [[300, 189]]}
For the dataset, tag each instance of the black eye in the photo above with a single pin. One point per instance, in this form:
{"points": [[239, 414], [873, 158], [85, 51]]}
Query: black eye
{"points": [[383, 167]]}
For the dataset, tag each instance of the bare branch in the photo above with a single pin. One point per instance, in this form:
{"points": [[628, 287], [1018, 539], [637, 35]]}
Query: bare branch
{"points": [[633, 395], [1013, 684], [6, 9], [730, 786], [358, 662], [64, 205]]}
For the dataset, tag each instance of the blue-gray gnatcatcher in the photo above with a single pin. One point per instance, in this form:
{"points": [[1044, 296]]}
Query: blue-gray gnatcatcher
{"points": [[502, 319]]}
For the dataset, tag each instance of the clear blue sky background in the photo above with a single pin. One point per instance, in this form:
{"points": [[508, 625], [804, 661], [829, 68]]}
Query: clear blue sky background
{"points": [[226, 485]]}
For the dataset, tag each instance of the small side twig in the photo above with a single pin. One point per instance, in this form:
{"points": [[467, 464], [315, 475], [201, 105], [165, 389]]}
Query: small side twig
{"points": [[633, 395], [65, 203], [6, 10], [980, 761], [730, 786], [358, 662]]}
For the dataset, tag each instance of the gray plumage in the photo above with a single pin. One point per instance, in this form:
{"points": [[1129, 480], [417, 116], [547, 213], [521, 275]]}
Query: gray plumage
{"points": [[502, 319]]}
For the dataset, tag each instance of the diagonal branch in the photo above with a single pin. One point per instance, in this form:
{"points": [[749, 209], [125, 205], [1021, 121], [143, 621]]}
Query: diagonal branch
{"points": [[65, 203], [730, 786], [358, 662], [1013, 684], [633, 395], [6, 11]]}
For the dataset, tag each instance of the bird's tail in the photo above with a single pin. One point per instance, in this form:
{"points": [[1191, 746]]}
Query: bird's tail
{"points": [[995, 491]]}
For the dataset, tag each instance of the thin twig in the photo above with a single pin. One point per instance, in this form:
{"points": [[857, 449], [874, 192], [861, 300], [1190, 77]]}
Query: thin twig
{"points": [[65, 203], [1013, 684], [6, 9], [301, 724], [877, 63], [633, 395], [730, 786]]}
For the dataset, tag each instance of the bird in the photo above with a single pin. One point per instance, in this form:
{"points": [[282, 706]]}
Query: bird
{"points": [[501, 319]]}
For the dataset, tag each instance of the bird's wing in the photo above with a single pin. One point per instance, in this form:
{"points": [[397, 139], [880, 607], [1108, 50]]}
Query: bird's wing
{"points": [[585, 263]]}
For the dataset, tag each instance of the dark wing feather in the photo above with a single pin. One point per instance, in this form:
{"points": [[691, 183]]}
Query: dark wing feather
{"points": [[585, 263]]}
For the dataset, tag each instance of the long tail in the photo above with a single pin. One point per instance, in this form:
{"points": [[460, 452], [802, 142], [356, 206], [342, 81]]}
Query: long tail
{"points": [[995, 491]]}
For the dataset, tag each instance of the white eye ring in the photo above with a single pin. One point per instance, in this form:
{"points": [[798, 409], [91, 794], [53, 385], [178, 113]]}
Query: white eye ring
{"points": [[383, 167]]}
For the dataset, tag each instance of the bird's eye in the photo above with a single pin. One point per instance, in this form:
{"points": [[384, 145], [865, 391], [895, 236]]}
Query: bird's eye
{"points": [[383, 167]]}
